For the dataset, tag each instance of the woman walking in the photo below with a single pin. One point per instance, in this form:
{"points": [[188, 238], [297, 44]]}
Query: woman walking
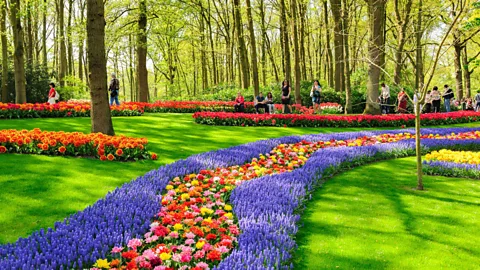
{"points": [[286, 90], [402, 102], [315, 95], [436, 99]]}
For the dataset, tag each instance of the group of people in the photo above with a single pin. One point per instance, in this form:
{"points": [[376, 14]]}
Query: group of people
{"points": [[432, 100], [267, 103], [113, 88]]}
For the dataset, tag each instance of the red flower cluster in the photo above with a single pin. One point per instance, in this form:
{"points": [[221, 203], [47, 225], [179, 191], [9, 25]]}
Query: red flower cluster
{"points": [[296, 120], [96, 145]]}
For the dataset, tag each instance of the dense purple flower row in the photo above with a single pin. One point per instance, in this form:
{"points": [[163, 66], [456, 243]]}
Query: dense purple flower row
{"points": [[265, 207], [452, 169]]}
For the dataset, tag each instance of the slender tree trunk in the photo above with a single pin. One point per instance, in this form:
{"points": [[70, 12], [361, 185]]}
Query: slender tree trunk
{"points": [[418, 146], [130, 68], [301, 7], [212, 48], [458, 66], [338, 42], [203, 56], [286, 42], [253, 48], [3, 29], [264, 42], [346, 54], [19, 52], [296, 47], [466, 73], [142, 73], [329, 46], [242, 50], [71, 12], [402, 26], [100, 112], [376, 14], [419, 76], [44, 34], [61, 39], [29, 35]]}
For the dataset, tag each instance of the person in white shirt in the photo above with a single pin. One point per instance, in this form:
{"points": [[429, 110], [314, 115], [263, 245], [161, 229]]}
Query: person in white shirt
{"points": [[385, 98]]}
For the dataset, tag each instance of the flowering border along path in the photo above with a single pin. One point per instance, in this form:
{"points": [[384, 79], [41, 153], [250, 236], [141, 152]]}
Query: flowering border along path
{"points": [[305, 120], [265, 207], [464, 164], [95, 145]]}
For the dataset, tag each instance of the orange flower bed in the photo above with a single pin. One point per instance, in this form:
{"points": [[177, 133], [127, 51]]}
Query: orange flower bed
{"points": [[95, 145]]}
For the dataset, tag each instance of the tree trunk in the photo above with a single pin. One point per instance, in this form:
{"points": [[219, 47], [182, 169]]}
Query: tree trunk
{"points": [[466, 73], [338, 42], [329, 46], [29, 35], [44, 34], [3, 30], [242, 50], [69, 38], [142, 74], [376, 14], [301, 7], [286, 42], [296, 48], [419, 76], [264, 42], [61, 39], [81, 44], [418, 146], [203, 56], [212, 48], [458, 68], [346, 54], [402, 26], [100, 112], [19, 52], [253, 48]]}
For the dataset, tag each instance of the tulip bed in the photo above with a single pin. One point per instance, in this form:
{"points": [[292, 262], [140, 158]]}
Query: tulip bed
{"points": [[95, 145], [265, 207], [465, 164], [292, 120], [61, 109]]}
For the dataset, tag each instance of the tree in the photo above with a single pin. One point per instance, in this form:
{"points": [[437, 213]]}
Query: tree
{"points": [[3, 29], [100, 113], [19, 52], [253, 49], [296, 48], [402, 24], [142, 73], [61, 42], [242, 50], [339, 46], [376, 16]]}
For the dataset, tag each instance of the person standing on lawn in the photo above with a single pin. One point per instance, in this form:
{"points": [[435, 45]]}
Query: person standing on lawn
{"points": [[436, 99], [52, 94], [315, 95], [385, 98], [286, 91], [114, 89], [447, 97], [239, 103]]}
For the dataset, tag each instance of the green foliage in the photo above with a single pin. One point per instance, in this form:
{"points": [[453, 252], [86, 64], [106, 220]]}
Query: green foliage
{"points": [[37, 80], [74, 89]]}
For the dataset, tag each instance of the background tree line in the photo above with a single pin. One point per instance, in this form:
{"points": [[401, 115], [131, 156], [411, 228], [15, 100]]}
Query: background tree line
{"points": [[187, 49]]}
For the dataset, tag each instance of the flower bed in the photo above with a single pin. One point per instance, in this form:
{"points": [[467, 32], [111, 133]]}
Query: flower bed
{"points": [[464, 164], [95, 145], [61, 109], [265, 206], [292, 120]]}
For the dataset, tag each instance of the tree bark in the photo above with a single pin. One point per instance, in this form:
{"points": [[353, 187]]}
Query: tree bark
{"points": [[69, 38], [3, 29], [419, 76], [100, 112], [376, 14], [329, 46], [61, 39], [466, 73], [142, 73], [296, 48], [44, 34], [402, 26], [203, 56], [346, 60], [253, 50], [458, 68], [29, 43], [81, 44], [242, 50], [338, 42], [285, 42], [19, 52]]}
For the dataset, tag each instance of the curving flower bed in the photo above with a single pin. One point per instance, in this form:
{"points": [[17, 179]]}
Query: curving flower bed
{"points": [[61, 109], [95, 145], [265, 207], [465, 164], [295, 120]]}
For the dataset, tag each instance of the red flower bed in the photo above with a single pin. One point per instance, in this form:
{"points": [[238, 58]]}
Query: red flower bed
{"points": [[296, 120], [95, 145]]}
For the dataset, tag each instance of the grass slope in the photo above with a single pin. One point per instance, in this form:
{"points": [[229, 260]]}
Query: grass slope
{"points": [[371, 218], [39, 190]]}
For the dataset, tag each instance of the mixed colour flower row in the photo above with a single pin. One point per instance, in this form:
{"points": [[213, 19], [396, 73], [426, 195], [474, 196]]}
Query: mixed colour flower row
{"points": [[465, 164], [94, 145], [305, 120], [265, 208]]}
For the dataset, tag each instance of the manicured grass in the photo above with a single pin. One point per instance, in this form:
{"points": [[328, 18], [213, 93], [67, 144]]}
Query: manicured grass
{"points": [[371, 218], [40, 190]]}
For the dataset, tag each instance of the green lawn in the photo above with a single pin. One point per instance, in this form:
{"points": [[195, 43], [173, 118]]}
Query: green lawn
{"points": [[39, 190], [371, 218]]}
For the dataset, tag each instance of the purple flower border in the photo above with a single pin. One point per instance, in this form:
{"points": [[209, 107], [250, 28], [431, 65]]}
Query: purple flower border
{"points": [[265, 207]]}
